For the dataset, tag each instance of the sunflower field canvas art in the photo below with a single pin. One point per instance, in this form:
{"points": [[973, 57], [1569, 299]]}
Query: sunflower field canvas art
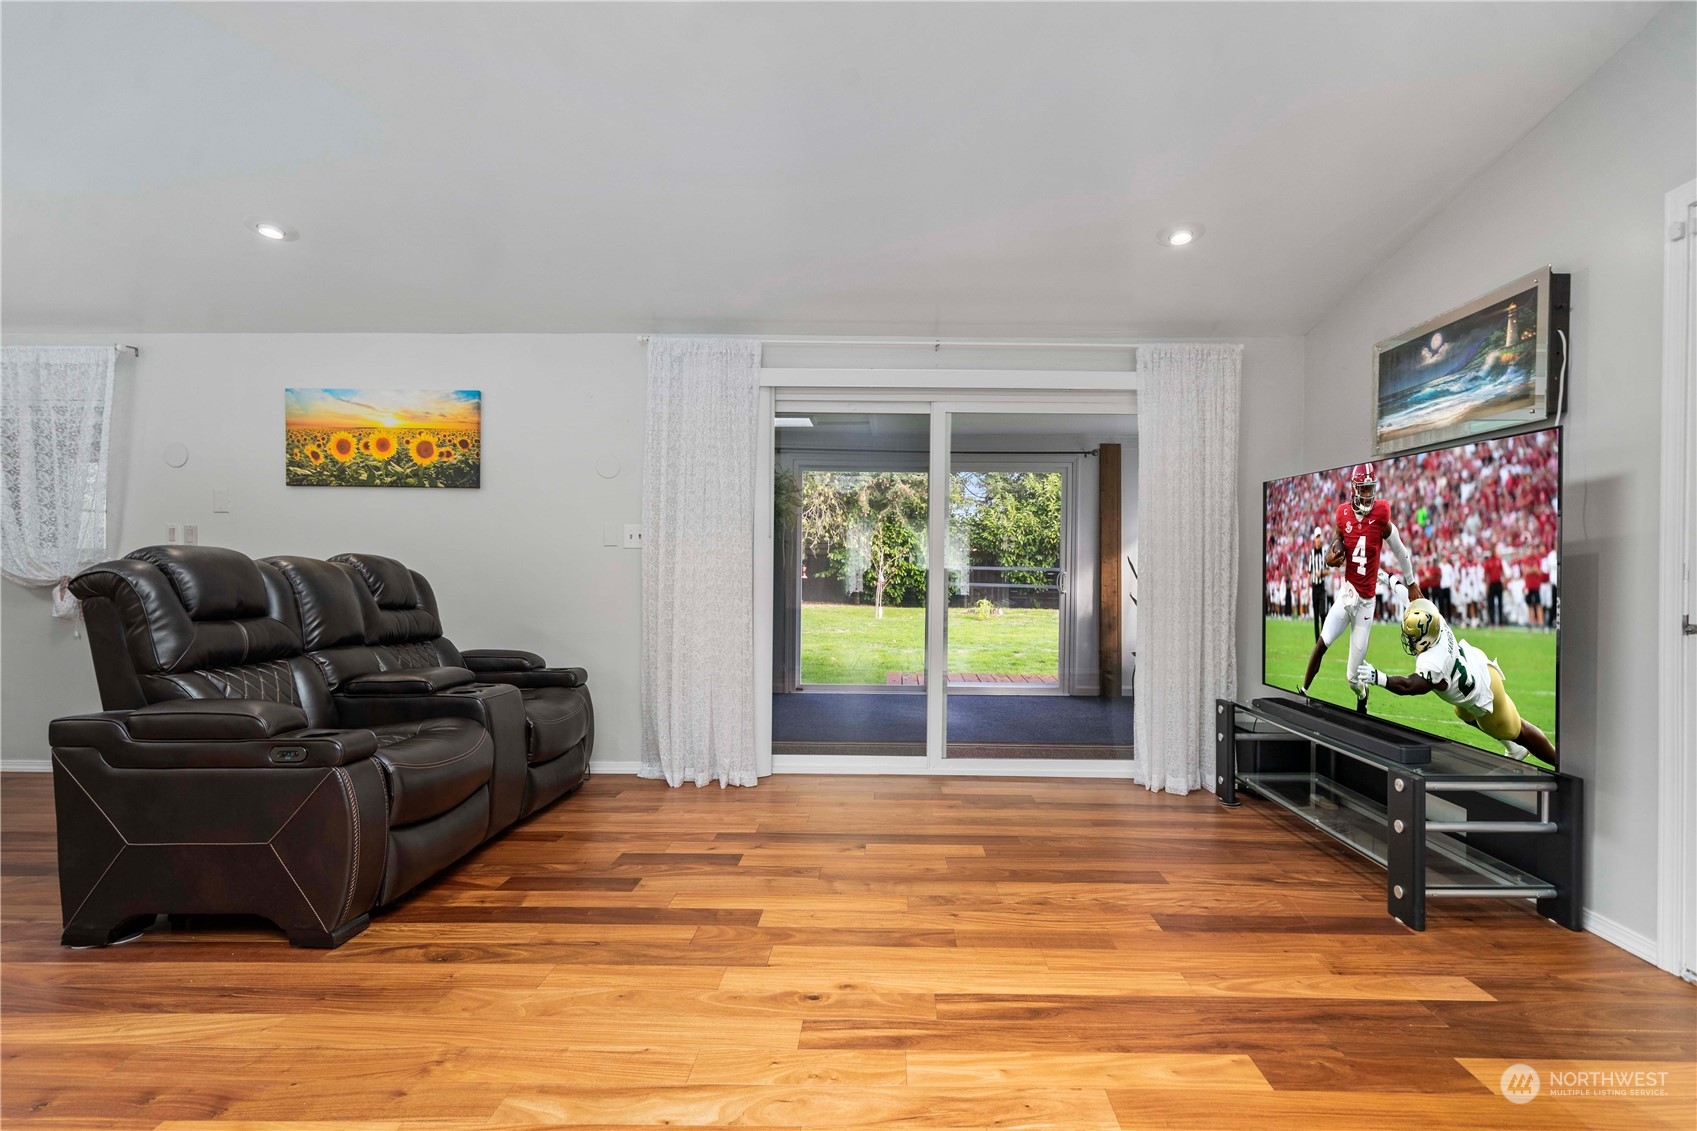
{"points": [[382, 438]]}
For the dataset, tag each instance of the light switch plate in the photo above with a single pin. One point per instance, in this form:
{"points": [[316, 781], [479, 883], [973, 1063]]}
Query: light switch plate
{"points": [[633, 536], [172, 535], [191, 534], [220, 500], [611, 534]]}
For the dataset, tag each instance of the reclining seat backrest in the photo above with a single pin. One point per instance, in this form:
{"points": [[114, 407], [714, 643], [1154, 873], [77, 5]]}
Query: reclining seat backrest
{"points": [[195, 622], [346, 632], [401, 612]]}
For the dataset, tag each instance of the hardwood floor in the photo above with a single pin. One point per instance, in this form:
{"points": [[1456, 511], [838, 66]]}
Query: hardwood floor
{"points": [[831, 952]]}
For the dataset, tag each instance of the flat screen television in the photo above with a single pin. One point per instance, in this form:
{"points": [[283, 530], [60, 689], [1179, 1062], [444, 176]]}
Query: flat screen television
{"points": [[1480, 523]]}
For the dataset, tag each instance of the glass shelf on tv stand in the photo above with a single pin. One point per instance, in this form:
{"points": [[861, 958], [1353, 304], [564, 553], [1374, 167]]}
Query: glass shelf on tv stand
{"points": [[1453, 867]]}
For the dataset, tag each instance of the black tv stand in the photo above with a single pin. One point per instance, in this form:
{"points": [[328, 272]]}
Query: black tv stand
{"points": [[1504, 829]]}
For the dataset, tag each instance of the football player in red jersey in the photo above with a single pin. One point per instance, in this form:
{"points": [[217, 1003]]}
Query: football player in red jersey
{"points": [[1363, 527]]}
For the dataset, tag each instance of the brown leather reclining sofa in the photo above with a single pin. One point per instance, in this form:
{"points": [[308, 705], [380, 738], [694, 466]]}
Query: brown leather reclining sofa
{"points": [[290, 738]]}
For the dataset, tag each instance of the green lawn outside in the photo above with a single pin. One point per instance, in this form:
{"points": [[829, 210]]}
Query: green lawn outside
{"points": [[1526, 656], [847, 644]]}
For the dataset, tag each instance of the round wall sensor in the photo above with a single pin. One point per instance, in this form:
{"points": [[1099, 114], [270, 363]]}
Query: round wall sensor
{"points": [[607, 467], [176, 454]]}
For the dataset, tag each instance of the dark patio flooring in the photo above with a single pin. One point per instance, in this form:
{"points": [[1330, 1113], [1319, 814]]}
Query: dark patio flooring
{"points": [[983, 726]]}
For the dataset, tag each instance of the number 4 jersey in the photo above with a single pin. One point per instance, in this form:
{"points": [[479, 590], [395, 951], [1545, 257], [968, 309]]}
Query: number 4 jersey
{"points": [[1460, 673], [1362, 540]]}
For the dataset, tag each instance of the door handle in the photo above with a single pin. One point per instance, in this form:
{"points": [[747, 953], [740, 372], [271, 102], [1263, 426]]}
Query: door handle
{"points": [[1686, 627]]}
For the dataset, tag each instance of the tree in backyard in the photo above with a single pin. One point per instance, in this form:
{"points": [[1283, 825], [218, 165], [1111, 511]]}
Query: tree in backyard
{"points": [[871, 524], [1013, 519]]}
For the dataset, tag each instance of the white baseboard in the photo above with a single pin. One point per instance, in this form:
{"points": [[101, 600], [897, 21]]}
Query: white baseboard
{"points": [[599, 767], [1635, 944]]}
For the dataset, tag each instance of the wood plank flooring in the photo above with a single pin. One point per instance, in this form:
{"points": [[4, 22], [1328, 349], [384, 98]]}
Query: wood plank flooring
{"points": [[833, 952]]}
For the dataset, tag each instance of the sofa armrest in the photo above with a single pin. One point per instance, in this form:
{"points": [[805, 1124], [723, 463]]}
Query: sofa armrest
{"points": [[193, 720], [539, 677], [502, 660], [109, 734], [411, 681]]}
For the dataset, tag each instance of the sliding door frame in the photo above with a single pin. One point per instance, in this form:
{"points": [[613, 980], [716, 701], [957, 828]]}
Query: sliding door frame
{"points": [[942, 394]]}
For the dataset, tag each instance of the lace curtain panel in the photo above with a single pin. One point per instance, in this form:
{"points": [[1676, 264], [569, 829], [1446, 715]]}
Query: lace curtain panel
{"points": [[54, 424], [698, 561], [1187, 402]]}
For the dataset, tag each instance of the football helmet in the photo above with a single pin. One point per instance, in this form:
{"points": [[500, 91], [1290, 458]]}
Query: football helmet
{"points": [[1422, 625], [1363, 488]]}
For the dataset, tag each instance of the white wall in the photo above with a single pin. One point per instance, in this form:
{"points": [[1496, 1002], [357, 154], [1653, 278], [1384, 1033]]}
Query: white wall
{"points": [[1269, 446], [517, 563], [1583, 191], [1128, 549]]}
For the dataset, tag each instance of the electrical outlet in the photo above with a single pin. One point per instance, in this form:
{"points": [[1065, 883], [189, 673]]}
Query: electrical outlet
{"points": [[633, 536], [220, 500], [172, 535], [191, 534]]}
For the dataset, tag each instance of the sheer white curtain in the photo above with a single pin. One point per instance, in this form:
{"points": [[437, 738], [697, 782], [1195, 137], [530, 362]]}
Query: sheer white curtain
{"points": [[1187, 424], [55, 420], [698, 561]]}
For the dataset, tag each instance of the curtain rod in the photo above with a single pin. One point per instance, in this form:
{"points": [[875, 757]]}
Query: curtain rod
{"points": [[935, 343], [133, 349]]}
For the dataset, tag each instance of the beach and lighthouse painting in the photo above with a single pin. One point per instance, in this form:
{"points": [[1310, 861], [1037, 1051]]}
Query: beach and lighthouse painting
{"points": [[1473, 370], [382, 438]]}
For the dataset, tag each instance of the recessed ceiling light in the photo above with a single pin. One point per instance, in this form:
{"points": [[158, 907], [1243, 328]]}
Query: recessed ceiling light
{"points": [[792, 422], [274, 231], [1178, 235]]}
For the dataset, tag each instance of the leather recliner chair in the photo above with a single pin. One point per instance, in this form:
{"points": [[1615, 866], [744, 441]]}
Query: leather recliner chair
{"points": [[225, 777], [559, 714], [378, 682]]}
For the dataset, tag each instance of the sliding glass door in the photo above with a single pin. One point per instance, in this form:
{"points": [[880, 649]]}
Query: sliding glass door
{"points": [[851, 504], [1007, 572], [1025, 626], [947, 585]]}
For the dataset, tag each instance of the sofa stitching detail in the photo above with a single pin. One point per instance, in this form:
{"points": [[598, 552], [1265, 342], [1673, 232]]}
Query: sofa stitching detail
{"points": [[95, 886], [287, 871], [346, 781]]}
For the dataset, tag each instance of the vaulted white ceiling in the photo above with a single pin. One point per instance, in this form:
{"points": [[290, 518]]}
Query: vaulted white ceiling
{"points": [[809, 168]]}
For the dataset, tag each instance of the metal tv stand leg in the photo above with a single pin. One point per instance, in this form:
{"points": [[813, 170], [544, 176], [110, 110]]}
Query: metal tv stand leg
{"points": [[1225, 753], [1405, 881]]}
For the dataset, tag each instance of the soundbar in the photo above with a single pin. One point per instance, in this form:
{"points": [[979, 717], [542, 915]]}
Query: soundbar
{"points": [[1367, 735]]}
